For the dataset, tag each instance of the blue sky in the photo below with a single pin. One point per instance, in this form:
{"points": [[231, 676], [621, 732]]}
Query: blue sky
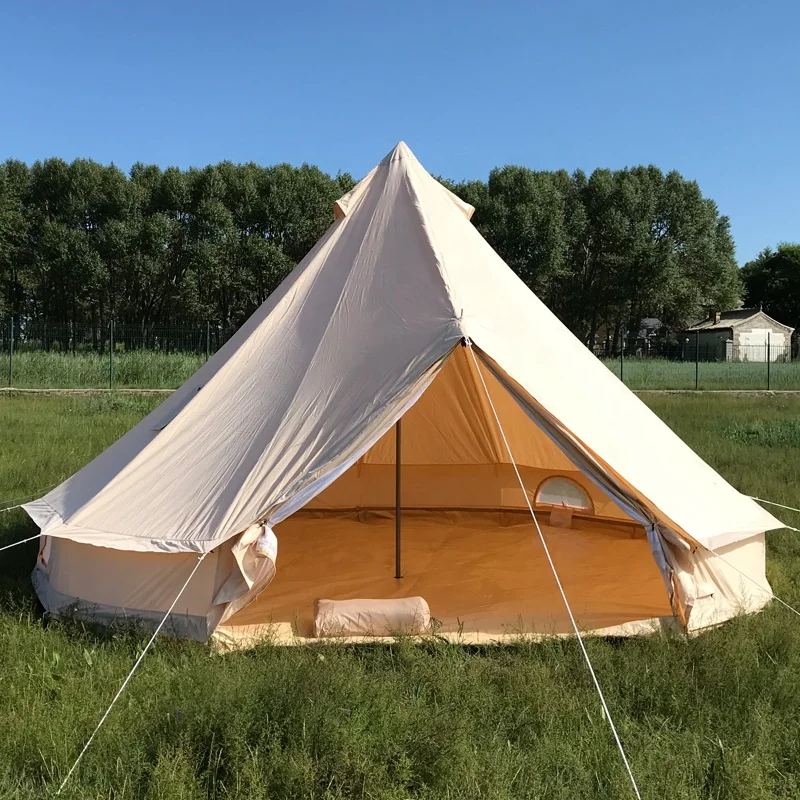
{"points": [[708, 88]]}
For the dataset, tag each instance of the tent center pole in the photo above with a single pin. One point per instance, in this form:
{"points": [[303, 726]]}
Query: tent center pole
{"points": [[397, 503]]}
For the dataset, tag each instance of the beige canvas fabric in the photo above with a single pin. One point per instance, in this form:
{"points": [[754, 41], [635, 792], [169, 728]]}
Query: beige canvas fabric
{"points": [[347, 345]]}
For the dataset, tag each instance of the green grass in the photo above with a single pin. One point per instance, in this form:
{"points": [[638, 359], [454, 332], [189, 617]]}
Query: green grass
{"points": [[714, 717], [141, 369], [644, 373], [153, 370]]}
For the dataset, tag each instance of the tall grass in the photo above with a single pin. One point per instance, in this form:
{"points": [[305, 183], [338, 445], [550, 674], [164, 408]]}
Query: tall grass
{"points": [[654, 373], [156, 370], [144, 369], [711, 717]]}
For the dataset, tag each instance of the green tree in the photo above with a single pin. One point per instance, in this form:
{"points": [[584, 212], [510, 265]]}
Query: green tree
{"points": [[82, 243], [522, 214], [14, 184], [772, 280]]}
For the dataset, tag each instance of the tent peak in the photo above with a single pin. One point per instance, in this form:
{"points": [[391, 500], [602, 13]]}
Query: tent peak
{"points": [[398, 159], [399, 152]]}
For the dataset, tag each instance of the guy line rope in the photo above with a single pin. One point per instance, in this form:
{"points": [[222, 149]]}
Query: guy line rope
{"points": [[555, 575], [21, 541], [779, 505], [753, 580], [141, 655], [541, 538], [130, 674], [24, 499], [561, 588]]}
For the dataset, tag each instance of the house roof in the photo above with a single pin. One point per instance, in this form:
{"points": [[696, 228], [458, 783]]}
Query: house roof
{"points": [[734, 319]]}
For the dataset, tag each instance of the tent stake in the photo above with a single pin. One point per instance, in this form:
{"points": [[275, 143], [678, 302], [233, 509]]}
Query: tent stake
{"points": [[397, 504]]}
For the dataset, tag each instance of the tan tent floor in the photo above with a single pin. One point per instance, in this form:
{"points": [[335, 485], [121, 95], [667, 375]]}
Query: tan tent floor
{"points": [[478, 571]]}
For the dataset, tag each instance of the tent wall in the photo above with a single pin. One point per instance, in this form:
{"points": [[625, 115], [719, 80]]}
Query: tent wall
{"points": [[716, 588], [103, 585]]}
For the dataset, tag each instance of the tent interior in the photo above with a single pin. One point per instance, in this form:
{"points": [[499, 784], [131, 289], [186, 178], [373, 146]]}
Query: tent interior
{"points": [[468, 544]]}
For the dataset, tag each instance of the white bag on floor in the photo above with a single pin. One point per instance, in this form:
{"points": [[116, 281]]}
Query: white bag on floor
{"points": [[406, 615]]}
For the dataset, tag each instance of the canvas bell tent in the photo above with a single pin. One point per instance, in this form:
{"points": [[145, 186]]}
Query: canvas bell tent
{"points": [[401, 313]]}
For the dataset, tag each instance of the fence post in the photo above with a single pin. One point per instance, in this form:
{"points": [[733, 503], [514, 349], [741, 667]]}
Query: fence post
{"points": [[697, 360], [208, 339], [769, 358], [111, 355], [622, 356], [11, 354]]}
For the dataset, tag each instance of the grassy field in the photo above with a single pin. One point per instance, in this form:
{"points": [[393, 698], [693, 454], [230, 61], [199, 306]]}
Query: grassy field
{"points": [[711, 718], [141, 369], [152, 370], [654, 373]]}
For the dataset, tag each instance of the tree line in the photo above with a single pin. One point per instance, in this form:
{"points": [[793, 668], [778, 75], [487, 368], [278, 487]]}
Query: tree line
{"points": [[772, 280], [86, 243]]}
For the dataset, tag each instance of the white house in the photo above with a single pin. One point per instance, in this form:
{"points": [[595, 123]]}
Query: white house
{"points": [[746, 334]]}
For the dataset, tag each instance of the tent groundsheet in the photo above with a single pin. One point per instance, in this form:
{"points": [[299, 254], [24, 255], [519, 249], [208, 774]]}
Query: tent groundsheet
{"points": [[480, 571]]}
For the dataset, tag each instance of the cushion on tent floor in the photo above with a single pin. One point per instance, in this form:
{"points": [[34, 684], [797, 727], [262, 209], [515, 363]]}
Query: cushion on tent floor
{"points": [[475, 573], [404, 615]]}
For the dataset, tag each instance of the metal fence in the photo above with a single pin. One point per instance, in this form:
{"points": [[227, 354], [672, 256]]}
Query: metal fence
{"points": [[38, 353], [691, 363], [23, 339], [692, 349], [27, 335]]}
